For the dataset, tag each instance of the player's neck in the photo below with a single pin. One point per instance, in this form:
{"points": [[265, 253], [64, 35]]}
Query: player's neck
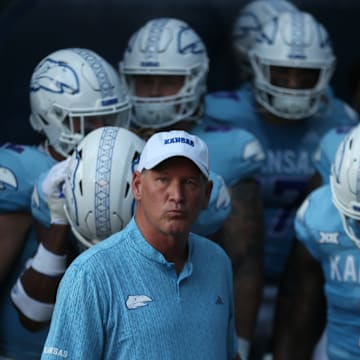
{"points": [[54, 154]]}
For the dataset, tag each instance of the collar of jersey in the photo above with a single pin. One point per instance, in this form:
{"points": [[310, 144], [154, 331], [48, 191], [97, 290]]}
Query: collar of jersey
{"points": [[143, 247]]}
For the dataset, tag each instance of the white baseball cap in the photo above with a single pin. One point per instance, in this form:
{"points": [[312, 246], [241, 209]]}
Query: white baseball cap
{"points": [[167, 144]]}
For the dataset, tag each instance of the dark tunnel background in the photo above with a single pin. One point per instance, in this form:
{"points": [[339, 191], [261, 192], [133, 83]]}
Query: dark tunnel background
{"points": [[31, 29]]}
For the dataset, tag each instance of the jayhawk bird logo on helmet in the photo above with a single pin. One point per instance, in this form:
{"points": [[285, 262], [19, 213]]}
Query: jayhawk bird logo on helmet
{"points": [[47, 78]]}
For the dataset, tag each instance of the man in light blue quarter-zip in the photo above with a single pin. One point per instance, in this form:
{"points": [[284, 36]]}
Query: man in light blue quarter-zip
{"points": [[153, 290]]}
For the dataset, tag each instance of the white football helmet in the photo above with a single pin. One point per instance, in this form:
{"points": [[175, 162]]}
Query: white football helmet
{"points": [[248, 25], [294, 40], [345, 183], [166, 46], [72, 91], [98, 196]]}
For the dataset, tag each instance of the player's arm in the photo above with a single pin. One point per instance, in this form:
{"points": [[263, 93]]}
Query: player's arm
{"points": [[301, 310], [13, 230], [243, 241], [15, 217], [34, 292]]}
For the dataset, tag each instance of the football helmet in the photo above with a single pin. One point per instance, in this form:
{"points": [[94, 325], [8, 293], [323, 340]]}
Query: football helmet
{"points": [[345, 183], [248, 25], [292, 40], [98, 196], [73, 91], [166, 46]]}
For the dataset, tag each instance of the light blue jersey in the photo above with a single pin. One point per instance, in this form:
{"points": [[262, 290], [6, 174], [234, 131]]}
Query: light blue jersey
{"points": [[325, 154], [234, 153], [319, 227], [289, 160], [211, 219], [19, 167], [122, 300]]}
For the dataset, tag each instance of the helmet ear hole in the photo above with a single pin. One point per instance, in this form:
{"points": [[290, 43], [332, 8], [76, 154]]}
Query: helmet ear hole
{"points": [[136, 157], [58, 113], [127, 190], [43, 119], [81, 188], [98, 196]]}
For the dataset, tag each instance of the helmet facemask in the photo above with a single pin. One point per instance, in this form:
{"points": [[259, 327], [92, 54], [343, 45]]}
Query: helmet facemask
{"points": [[65, 128], [162, 111], [285, 102]]}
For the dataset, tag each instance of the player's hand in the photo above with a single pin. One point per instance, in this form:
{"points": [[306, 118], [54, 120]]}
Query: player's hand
{"points": [[52, 187], [243, 348], [223, 199]]}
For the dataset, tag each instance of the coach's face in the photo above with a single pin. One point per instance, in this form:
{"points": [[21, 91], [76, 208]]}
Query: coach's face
{"points": [[171, 196]]}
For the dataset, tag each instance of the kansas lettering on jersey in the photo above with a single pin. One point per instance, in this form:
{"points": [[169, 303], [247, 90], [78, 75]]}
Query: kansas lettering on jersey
{"points": [[288, 159], [319, 227], [19, 168]]}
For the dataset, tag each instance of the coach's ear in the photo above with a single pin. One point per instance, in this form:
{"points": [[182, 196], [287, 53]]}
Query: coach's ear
{"points": [[137, 185]]}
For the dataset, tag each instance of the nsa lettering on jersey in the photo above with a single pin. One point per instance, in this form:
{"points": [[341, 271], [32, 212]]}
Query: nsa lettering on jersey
{"points": [[179, 140], [288, 162]]}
